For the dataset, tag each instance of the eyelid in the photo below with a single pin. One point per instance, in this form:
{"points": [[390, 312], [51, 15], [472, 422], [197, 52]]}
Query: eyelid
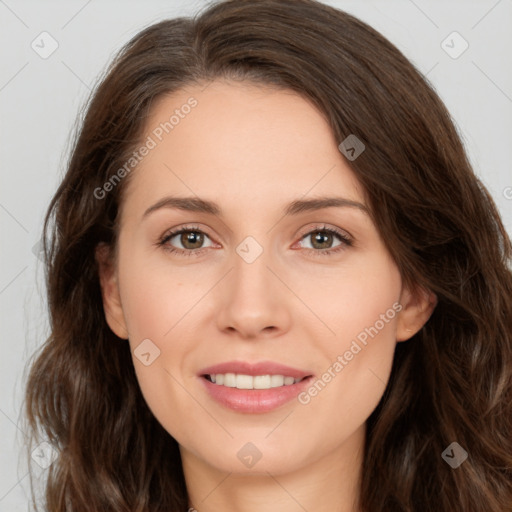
{"points": [[185, 227], [323, 227], [171, 233]]}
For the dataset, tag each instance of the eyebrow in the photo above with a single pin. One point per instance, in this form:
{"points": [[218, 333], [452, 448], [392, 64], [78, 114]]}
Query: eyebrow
{"points": [[304, 205], [196, 204]]}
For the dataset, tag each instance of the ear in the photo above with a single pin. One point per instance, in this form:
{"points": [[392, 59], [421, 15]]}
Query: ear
{"points": [[110, 291], [417, 306]]}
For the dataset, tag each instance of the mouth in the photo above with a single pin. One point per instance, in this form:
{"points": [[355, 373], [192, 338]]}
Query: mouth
{"points": [[253, 388]]}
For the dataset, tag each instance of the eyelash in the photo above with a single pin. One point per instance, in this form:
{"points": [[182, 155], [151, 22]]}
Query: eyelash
{"points": [[345, 241]]}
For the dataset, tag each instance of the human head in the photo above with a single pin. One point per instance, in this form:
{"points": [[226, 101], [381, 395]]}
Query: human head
{"points": [[429, 208]]}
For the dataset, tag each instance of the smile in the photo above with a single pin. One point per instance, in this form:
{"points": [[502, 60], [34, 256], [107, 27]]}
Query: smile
{"points": [[241, 381]]}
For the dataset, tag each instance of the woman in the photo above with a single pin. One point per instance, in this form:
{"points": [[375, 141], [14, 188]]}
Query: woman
{"points": [[274, 281]]}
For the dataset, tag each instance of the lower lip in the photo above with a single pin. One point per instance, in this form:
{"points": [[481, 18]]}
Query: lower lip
{"points": [[254, 400]]}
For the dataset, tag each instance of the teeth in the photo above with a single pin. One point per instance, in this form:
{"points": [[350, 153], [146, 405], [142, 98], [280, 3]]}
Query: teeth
{"points": [[262, 381], [276, 381], [230, 380], [244, 382], [240, 381]]}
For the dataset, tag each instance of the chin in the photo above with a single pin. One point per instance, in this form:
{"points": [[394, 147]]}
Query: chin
{"points": [[257, 458]]}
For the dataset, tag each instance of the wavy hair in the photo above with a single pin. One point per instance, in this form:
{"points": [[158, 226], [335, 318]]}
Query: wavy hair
{"points": [[451, 382]]}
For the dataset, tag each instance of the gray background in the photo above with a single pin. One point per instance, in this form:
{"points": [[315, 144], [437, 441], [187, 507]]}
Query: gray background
{"points": [[40, 99]]}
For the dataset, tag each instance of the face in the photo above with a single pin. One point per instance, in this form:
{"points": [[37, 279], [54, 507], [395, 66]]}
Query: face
{"points": [[247, 257]]}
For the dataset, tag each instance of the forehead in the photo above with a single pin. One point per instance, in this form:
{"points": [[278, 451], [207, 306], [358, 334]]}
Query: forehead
{"points": [[239, 140]]}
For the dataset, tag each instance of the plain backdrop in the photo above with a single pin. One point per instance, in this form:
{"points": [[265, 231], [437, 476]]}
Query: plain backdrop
{"points": [[40, 99]]}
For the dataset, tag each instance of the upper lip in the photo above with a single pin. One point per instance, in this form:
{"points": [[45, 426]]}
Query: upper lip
{"points": [[260, 368]]}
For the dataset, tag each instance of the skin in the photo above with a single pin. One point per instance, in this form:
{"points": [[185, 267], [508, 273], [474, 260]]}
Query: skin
{"points": [[253, 150]]}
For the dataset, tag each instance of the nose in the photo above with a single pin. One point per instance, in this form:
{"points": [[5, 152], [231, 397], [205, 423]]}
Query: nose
{"points": [[252, 301]]}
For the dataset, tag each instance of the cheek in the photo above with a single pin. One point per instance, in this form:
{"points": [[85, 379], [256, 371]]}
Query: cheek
{"points": [[354, 298], [157, 297], [156, 311], [361, 307], [156, 305]]}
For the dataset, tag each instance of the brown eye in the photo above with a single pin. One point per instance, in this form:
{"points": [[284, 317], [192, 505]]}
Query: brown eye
{"points": [[325, 241], [186, 240], [321, 240], [192, 239]]}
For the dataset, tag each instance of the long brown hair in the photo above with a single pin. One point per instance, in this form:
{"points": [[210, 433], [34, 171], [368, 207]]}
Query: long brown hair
{"points": [[451, 383]]}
